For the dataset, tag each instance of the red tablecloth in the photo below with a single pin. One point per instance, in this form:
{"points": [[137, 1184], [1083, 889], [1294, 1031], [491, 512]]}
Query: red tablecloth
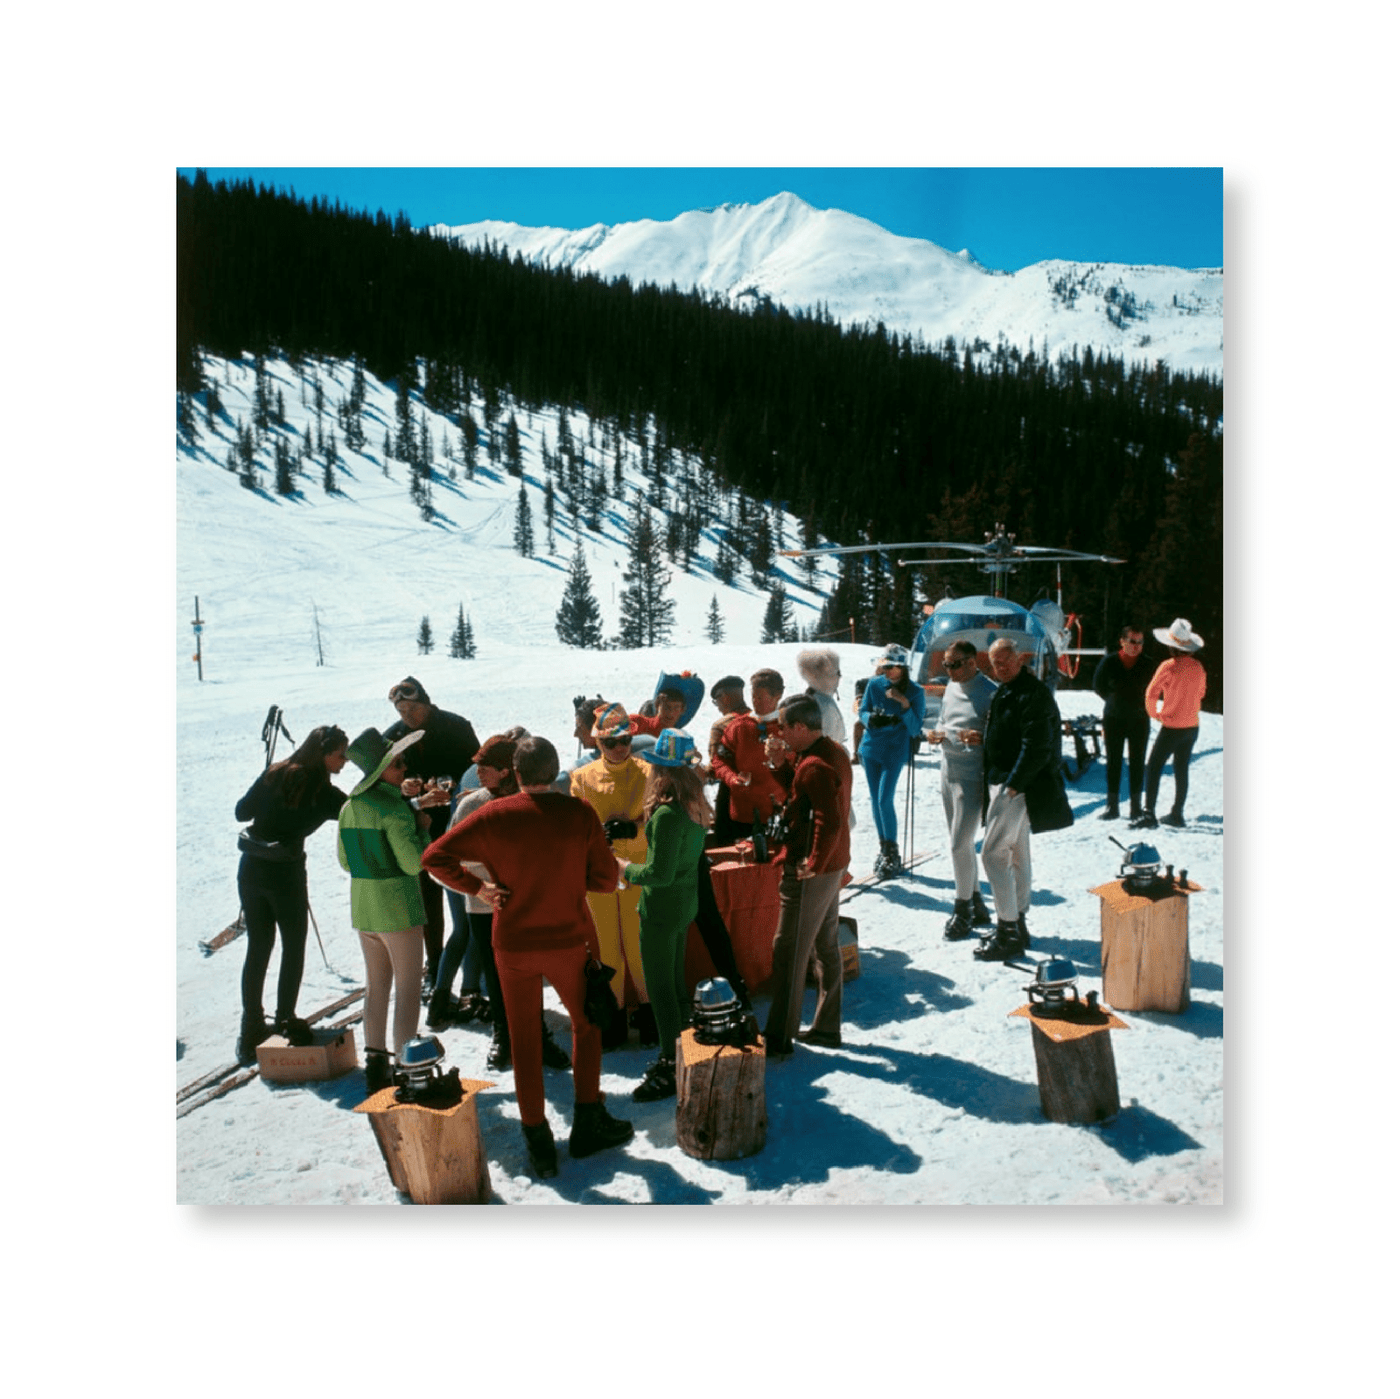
{"points": [[747, 896]]}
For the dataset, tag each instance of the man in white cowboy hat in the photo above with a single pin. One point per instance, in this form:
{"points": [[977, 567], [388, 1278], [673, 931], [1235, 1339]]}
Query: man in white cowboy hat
{"points": [[1174, 696], [818, 846]]}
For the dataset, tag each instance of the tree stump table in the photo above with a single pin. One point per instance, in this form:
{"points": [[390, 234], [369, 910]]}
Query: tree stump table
{"points": [[721, 1113], [434, 1155], [1074, 1065], [1146, 954]]}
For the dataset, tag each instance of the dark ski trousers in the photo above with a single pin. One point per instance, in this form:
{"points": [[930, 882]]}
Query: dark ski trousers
{"points": [[273, 897], [432, 927], [710, 924], [1175, 744], [1115, 734]]}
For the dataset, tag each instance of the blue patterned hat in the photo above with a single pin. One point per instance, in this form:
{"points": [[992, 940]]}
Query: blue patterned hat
{"points": [[673, 749]]}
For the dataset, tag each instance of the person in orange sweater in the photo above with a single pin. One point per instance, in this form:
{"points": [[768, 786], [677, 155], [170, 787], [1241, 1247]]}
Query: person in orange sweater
{"points": [[1174, 696], [544, 851]]}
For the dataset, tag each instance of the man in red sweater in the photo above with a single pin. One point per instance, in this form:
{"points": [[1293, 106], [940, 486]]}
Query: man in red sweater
{"points": [[741, 761], [818, 850], [544, 851]]}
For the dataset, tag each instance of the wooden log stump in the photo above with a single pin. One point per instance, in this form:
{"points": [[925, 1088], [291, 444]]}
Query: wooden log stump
{"points": [[1074, 1066], [434, 1155], [1146, 952], [721, 1113]]}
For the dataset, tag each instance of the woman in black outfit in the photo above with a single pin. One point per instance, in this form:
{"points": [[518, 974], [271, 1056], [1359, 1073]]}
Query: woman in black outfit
{"points": [[286, 803]]}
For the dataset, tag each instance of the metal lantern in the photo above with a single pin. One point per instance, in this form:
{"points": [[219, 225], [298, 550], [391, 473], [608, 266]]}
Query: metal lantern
{"points": [[1056, 986], [718, 1017], [420, 1074], [1141, 868]]}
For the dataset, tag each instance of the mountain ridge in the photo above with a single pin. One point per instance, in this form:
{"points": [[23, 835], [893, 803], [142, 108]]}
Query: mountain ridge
{"points": [[784, 250]]}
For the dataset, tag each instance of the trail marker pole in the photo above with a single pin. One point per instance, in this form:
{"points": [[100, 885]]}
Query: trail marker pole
{"points": [[198, 625]]}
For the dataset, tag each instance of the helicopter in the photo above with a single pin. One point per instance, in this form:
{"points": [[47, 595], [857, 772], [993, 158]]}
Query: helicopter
{"points": [[1047, 638]]}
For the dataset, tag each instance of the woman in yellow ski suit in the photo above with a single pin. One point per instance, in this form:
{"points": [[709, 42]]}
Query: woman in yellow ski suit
{"points": [[614, 786]]}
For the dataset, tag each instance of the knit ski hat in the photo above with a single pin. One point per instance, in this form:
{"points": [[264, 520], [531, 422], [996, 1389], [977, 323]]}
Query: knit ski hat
{"points": [[893, 654], [612, 721], [372, 753], [409, 689], [673, 749], [1180, 635]]}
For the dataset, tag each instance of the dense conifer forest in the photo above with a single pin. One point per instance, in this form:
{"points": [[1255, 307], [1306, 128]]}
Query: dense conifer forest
{"points": [[863, 435]]}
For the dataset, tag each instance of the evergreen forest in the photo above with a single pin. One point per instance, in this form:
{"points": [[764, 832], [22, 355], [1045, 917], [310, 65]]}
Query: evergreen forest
{"points": [[863, 435]]}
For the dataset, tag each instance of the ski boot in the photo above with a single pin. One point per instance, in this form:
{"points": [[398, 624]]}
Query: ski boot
{"points": [[379, 1070], [595, 1129], [658, 1082], [539, 1142], [251, 1033], [1023, 935], [296, 1032], [999, 945], [498, 1055], [959, 926], [981, 918]]}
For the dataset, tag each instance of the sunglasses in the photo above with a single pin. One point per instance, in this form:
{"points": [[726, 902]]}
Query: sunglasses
{"points": [[958, 664], [615, 742]]}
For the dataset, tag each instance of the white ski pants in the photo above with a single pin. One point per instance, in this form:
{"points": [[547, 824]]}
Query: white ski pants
{"points": [[1006, 853]]}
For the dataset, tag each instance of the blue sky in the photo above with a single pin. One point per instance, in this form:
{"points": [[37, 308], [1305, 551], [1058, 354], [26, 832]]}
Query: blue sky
{"points": [[1009, 218]]}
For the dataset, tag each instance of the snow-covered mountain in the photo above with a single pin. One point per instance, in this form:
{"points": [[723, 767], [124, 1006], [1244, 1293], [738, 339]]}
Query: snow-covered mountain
{"points": [[790, 253]]}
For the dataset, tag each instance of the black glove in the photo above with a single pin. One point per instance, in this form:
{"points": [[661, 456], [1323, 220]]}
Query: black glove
{"points": [[599, 1003], [618, 829]]}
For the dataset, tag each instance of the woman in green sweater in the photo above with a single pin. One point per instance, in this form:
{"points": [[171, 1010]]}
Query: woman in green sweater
{"points": [[677, 817], [382, 840]]}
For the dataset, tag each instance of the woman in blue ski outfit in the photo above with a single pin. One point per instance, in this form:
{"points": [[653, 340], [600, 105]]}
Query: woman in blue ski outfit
{"points": [[892, 716]]}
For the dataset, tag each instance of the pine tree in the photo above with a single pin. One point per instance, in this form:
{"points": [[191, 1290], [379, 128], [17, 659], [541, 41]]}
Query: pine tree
{"points": [[549, 514], [514, 462], [282, 457], [778, 624], [761, 549], [648, 615], [524, 526], [425, 637], [460, 647], [185, 419], [579, 622], [714, 623]]}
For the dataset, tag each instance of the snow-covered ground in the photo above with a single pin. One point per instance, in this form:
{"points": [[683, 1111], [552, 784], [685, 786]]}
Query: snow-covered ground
{"points": [[931, 1100]]}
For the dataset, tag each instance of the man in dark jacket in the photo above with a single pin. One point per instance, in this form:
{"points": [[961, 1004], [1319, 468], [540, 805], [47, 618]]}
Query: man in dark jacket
{"points": [[447, 749], [1121, 682], [1023, 792]]}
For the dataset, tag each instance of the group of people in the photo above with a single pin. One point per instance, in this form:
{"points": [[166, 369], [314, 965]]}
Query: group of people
{"points": [[598, 872]]}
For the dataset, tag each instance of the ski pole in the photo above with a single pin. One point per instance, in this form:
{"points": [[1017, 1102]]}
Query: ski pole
{"points": [[909, 806], [316, 928]]}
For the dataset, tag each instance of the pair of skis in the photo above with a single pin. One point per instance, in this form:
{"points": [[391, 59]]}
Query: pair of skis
{"points": [[220, 1081]]}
